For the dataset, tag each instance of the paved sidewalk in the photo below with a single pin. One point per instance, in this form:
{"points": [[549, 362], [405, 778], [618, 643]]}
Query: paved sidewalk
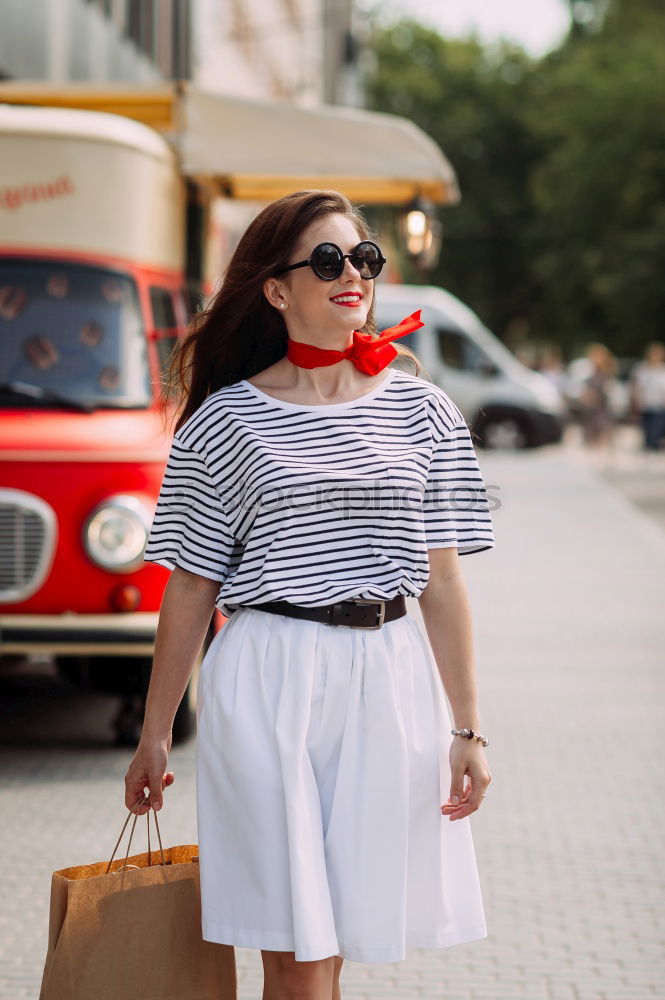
{"points": [[637, 474], [570, 633]]}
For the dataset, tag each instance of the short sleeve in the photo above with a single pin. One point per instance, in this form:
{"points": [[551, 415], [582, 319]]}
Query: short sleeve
{"points": [[190, 528], [456, 506]]}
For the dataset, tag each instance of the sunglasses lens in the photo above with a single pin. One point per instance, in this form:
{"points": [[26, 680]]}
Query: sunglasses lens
{"points": [[327, 261], [367, 259]]}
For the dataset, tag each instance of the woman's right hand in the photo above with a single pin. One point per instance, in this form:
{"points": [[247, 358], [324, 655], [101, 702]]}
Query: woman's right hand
{"points": [[148, 769]]}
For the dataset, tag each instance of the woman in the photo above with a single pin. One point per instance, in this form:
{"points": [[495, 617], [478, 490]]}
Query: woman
{"points": [[306, 494]]}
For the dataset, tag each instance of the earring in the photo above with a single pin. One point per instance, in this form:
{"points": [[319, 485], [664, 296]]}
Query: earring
{"points": [[282, 305]]}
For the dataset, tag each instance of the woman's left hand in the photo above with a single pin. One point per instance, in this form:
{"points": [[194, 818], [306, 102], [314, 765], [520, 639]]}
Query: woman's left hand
{"points": [[467, 757]]}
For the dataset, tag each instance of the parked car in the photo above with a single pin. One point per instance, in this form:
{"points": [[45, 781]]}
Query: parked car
{"points": [[504, 403]]}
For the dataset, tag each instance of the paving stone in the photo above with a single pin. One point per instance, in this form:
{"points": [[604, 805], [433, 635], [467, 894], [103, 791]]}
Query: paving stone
{"points": [[569, 631]]}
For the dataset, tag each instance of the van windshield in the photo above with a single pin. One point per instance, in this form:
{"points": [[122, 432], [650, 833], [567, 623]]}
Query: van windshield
{"points": [[72, 332]]}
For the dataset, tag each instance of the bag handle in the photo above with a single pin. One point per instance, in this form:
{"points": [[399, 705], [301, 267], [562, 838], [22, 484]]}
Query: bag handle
{"points": [[136, 806]]}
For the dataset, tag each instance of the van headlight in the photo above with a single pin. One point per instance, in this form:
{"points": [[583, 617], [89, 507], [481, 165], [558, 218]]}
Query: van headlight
{"points": [[115, 534]]}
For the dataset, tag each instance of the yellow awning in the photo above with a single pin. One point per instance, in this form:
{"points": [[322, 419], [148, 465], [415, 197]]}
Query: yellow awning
{"points": [[260, 150]]}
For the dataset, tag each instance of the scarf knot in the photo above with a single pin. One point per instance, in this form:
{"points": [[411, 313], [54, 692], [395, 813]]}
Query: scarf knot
{"points": [[369, 354]]}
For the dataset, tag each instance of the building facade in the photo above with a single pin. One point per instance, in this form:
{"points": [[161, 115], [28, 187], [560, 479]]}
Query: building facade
{"points": [[103, 40], [305, 51], [260, 48]]}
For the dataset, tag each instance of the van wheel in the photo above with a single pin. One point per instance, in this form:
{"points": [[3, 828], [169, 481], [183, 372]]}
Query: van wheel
{"points": [[503, 433], [128, 722], [129, 678]]}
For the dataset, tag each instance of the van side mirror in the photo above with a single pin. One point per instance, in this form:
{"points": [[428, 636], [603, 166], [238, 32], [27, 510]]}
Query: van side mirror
{"points": [[487, 368]]}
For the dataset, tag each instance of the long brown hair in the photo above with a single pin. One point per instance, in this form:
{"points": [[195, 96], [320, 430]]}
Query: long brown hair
{"points": [[239, 333]]}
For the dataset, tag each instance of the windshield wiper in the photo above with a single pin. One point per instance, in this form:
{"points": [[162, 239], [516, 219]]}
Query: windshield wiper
{"points": [[25, 390]]}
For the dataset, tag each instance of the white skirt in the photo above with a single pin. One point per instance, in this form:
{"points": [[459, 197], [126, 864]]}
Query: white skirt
{"points": [[321, 769]]}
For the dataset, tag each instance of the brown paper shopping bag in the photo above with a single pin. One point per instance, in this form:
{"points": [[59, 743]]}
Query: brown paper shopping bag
{"points": [[134, 932]]}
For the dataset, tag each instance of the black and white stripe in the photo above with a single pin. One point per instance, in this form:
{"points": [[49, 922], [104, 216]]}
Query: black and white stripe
{"points": [[312, 504]]}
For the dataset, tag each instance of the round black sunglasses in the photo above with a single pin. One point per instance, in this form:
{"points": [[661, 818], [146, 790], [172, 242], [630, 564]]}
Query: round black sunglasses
{"points": [[327, 261]]}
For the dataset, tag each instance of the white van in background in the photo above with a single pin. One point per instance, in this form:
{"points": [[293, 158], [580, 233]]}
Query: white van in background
{"points": [[504, 403]]}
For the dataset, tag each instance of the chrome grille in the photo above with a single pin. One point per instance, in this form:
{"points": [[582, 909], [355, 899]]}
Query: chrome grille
{"points": [[27, 543]]}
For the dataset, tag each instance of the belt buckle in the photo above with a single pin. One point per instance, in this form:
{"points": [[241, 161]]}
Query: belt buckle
{"points": [[381, 613]]}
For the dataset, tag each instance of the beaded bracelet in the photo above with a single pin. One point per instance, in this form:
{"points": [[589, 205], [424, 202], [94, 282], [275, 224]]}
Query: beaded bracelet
{"points": [[469, 733]]}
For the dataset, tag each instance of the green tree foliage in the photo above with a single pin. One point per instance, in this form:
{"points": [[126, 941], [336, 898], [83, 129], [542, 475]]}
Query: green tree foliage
{"points": [[465, 98], [561, 163], [599, 186]]}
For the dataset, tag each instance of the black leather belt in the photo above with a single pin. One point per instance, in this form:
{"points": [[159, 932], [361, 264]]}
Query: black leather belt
{"points": [[355, 612]]}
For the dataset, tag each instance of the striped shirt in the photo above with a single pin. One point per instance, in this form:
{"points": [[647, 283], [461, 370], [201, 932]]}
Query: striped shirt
{"points": [[314, 504]]}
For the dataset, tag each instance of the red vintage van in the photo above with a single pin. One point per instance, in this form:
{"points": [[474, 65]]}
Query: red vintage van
{"points": [[93, 294], [104, 225]]}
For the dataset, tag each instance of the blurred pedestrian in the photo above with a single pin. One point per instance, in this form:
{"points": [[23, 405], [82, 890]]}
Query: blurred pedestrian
{"points": [[647, 387], [596, 412]]}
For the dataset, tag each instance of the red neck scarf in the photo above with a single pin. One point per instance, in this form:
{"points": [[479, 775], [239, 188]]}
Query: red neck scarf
{"points": [[369, 354]]}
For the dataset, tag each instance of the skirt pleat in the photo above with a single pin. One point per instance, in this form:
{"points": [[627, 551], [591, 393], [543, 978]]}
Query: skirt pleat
{"points": [[322, 765]]}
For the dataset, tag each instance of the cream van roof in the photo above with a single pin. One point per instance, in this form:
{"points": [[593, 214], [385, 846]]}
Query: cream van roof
{"points": [[93, 125], [260, 150]]}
